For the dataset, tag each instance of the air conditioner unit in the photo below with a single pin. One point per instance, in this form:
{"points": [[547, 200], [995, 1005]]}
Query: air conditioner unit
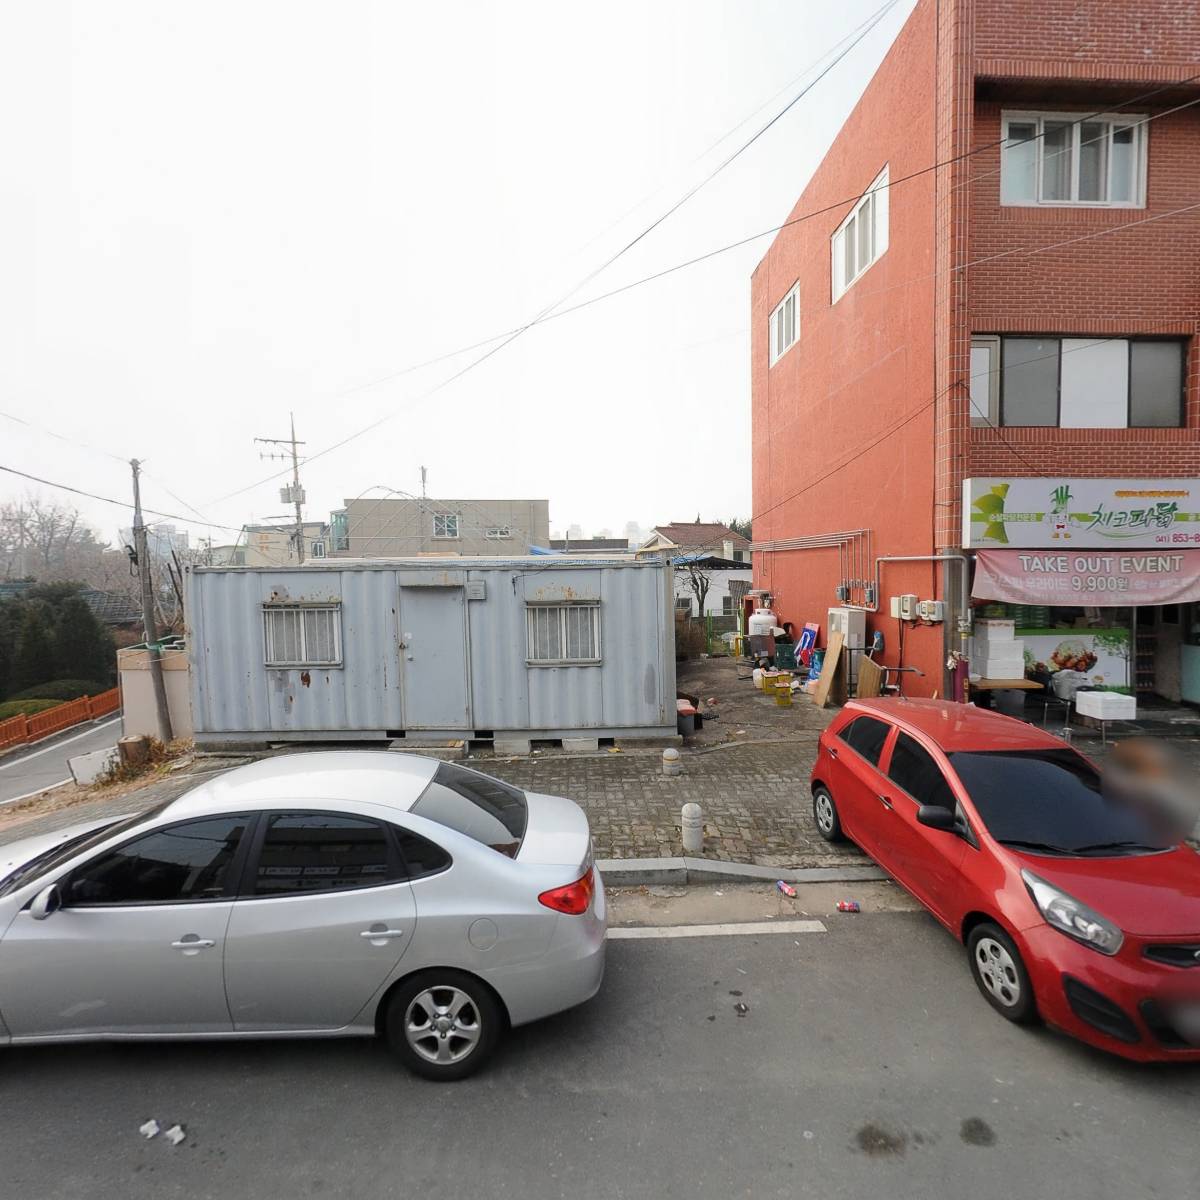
{"points": [[851, 623]]}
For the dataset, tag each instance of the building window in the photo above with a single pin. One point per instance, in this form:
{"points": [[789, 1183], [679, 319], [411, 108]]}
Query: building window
{"points": [[683, 606], [1057, 158], [727, 609], [318, 550], [1090, 383], [563, 633], [302, 635], [985, 381], [785, 324], [339, 531], [740, 556], [498, 533], [861, 238], [445, 525]]}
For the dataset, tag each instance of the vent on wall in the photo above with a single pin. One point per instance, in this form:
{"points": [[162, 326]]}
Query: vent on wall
{"points": [[476, 589]]}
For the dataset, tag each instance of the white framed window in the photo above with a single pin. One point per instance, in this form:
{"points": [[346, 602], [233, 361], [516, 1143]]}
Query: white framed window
{"points": [[985, 380], [498, 533], [562, 633], [785, 324], [1063, 159], [317, 550], [862, 238], [445, 525], [302, 635]]}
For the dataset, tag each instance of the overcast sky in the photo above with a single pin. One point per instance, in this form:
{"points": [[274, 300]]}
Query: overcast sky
{"points": [[213, 213]]}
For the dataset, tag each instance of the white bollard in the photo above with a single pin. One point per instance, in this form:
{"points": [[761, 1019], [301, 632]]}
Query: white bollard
{"points": [[693, 828], [672, 763]]}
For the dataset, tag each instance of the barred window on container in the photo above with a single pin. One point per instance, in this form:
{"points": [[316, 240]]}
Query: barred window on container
{"points": [[563, 633], [299, 635]]}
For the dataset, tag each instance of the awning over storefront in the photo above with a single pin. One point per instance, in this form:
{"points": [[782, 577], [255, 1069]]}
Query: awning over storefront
{"points": [[1102, 578]]}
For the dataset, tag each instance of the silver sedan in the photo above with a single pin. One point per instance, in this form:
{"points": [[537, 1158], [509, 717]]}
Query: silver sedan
{"points": [[350, 893]]}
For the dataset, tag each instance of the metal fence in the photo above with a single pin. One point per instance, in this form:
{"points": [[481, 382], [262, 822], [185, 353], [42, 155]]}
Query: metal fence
{"points": [[17, 731]]}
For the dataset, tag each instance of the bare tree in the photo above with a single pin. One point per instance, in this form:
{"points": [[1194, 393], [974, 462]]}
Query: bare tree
{"points": [[696, 579]]}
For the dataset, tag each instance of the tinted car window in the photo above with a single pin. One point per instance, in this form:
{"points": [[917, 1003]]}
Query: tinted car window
{"points": [[913, 768], [184, 862], [420, 855], [321, 852], [483, 808], [1051, 799], [866, 735]]}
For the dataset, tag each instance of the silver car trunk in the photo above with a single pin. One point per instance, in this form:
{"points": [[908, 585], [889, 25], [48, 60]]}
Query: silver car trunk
{"points": [[556, 834]]}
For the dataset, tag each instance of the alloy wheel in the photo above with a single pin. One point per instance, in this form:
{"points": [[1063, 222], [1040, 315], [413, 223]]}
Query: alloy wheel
{"points": [[442, 1025]]}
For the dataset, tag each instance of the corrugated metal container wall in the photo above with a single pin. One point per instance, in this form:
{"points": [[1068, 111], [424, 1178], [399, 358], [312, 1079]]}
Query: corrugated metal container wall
{"points": [[388, 644]]}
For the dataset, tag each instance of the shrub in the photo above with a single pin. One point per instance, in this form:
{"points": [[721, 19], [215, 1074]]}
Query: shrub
{"points": [[25, 708], [61, 689]]}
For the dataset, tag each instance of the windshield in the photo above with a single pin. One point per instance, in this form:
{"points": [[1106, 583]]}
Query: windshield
{"points": [[49, 860], [1051, 802], [483, 808]]}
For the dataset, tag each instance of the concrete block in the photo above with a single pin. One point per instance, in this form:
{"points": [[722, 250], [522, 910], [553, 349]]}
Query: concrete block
{"points": [[87, 768], [658, 742], [511, 747], [581, 745]]}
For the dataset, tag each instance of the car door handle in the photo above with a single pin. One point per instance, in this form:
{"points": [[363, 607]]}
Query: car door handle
{"points": [[193, 943], [885, 802], [833, 752], [372, 934]]}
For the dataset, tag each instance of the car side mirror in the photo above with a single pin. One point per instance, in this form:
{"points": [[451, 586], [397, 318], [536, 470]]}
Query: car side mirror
{"points": [[937, 817], [48, 900]]}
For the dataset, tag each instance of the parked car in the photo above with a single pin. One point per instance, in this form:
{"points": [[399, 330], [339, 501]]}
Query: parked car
{"points": [[1073, 905], [311, 895]]}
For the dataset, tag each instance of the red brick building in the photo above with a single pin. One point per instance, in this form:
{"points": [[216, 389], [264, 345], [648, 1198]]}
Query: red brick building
{"points": [[994, 274]]}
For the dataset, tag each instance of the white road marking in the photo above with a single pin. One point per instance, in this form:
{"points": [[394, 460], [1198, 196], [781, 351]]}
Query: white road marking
{"points": [[16, 762], [743, 927], [29, 795]]}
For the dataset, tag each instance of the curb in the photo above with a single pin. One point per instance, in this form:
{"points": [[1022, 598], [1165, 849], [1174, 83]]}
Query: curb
{"points": [[633, 872]]}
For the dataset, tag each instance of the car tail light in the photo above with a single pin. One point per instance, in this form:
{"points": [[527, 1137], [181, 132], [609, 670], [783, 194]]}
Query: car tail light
{"points": [[574, 899]]}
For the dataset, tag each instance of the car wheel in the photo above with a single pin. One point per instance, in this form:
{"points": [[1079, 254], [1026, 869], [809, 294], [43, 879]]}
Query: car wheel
{"points": [[825, 813], [443, 1024], [1000, 974]]}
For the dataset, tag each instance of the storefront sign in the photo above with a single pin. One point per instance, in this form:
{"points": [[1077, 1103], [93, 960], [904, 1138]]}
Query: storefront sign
{"points": [[1064, 514], [1104, 579], [1101, 654]]}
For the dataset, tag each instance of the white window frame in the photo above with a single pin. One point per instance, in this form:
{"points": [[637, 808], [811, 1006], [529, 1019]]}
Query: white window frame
{"points": [[778, 320], [986, 415], [446, 520], [562, 610], [1135, 121], [271, 611], [498, 533], [876, 201], [318, 549]]}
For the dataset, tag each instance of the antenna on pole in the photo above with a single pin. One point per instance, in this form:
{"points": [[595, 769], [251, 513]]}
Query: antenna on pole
{"points": [[422, 483], [293, 493]]}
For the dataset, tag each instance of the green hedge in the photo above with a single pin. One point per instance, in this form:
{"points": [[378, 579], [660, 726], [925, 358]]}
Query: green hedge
{"points": [[25, 708], [61, 689]]}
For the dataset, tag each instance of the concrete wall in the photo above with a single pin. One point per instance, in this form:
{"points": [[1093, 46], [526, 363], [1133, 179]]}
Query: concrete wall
{"points": [[139, 711], [392, 528]]}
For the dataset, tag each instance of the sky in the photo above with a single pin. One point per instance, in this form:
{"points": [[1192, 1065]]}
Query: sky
{"points": [[214, 215]]}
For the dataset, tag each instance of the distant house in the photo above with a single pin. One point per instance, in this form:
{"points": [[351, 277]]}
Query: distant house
{"points": [[698, 537], [416, 527], [275, 545], [596, 545]]}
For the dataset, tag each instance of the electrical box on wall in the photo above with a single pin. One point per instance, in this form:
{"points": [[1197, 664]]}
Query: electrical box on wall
{"points": [[904, 607], [931, 610]]}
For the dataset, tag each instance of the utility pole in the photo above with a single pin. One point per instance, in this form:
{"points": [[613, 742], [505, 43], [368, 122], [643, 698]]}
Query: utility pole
{"points": [[142, 550], [295, 493]]}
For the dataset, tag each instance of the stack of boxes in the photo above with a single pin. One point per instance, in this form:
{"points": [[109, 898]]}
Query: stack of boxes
{"points": [[995, 652]]}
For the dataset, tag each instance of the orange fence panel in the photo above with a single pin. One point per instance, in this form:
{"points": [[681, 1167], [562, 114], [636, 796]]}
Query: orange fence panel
{"points": [[13, 732], [63, 716], [106, 702]]}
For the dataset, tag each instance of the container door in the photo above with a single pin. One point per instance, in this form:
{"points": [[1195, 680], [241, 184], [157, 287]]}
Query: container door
{"points": [[433, 649]]}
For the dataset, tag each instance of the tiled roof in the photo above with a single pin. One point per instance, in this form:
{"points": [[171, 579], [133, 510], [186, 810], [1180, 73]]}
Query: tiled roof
{"points": [[704, 533]]}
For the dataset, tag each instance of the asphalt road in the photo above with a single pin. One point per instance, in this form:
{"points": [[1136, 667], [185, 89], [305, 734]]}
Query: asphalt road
{"points": [[45, 764], [867, 1066]]}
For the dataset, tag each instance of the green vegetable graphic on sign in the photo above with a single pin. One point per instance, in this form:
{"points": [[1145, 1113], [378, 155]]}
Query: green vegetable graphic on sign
{"points": [[1058, 516], [991, 510]]}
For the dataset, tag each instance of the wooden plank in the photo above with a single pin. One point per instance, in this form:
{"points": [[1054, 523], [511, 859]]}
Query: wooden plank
{"points": [[829, 669], [870, 679]]}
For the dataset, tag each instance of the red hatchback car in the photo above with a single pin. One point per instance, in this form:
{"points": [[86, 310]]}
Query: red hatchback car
{"points": [[1074, 907]]}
